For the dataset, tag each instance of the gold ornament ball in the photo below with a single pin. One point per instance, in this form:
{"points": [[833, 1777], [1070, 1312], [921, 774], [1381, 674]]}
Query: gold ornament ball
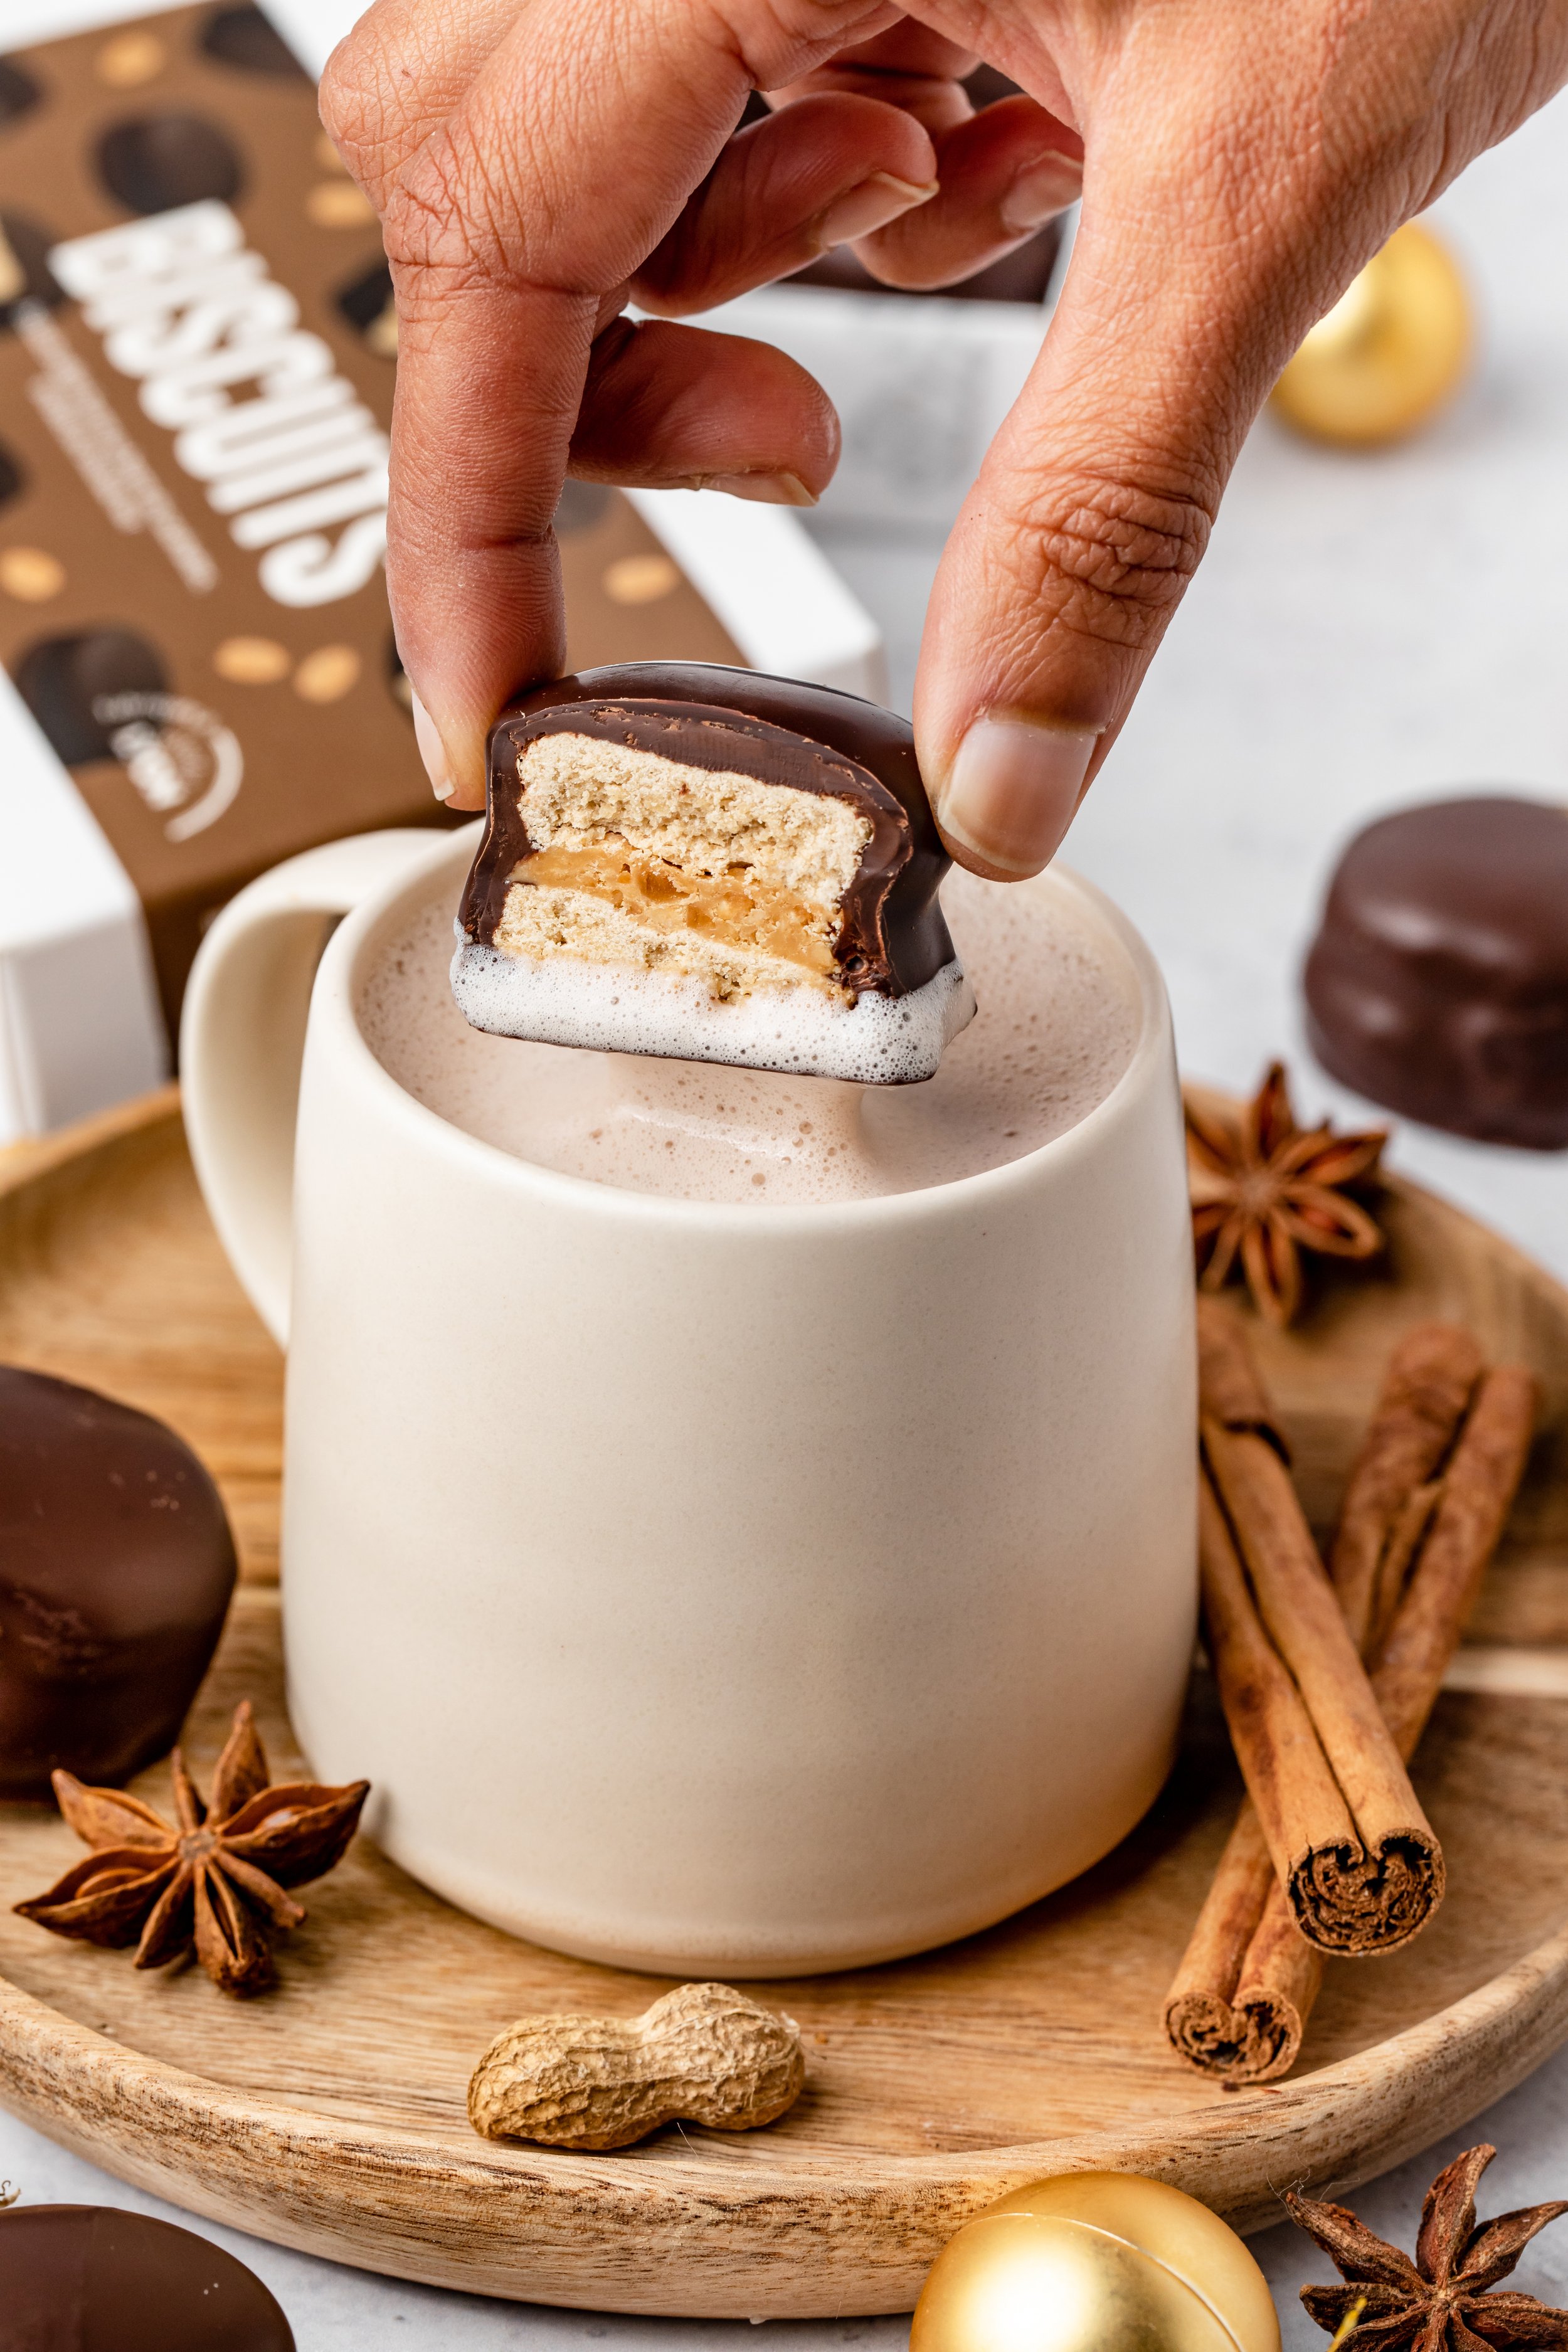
{"points": [[1096, 2261], [1389, 353]]}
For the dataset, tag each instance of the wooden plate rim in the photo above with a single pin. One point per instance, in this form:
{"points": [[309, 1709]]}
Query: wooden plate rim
{"points": [[35, 2035], [282, 2170]]}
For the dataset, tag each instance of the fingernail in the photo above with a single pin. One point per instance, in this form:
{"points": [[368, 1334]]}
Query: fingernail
{"points": [[768, 489], [432, 750], [1041, 190], [870, 205], [1012, 790]]}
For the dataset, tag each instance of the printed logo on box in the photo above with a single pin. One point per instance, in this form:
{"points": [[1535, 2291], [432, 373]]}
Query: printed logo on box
{"points": [[178, 754]]}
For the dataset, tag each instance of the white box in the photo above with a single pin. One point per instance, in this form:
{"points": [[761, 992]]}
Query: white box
{"points": [[80, 1022]]}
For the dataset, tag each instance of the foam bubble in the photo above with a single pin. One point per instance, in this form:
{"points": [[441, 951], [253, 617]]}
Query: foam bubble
{"points": [[878, 1041]]}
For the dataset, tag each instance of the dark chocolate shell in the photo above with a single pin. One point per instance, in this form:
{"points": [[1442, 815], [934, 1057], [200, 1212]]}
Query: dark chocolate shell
{"points": [[116, 1569], [90, 2278], [1438, 984]]}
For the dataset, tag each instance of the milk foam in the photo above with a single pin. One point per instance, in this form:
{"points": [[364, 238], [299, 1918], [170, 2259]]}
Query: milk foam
{"points": [[878, 1041], [1057, 1022]]}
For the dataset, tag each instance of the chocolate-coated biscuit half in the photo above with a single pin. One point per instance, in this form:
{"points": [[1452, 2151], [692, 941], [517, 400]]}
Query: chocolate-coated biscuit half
{"points": [[701, 862], [116, 1569], [1438, 980], [90, 2278]]}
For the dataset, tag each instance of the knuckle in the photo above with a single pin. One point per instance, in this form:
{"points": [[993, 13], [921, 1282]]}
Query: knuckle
{"points": [[444, 216], [1114, 556], [350, 104]]}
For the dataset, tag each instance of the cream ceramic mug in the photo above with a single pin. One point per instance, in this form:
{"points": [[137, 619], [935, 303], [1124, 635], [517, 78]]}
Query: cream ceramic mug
{"points": [[708, 1589]]}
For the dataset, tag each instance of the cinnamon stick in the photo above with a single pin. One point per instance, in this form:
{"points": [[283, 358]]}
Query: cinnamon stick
{"points": [[1479, 1487], [1300, 1802], [1405, 1535], [1248, 1982], [1427, 1387], [1248, 1977], [1350, 1842]]}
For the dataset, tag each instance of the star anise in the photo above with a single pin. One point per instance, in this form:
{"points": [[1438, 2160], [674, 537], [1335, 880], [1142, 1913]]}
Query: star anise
{"points": [[1441, 2299], [1264, 1190], [216, 1881]]}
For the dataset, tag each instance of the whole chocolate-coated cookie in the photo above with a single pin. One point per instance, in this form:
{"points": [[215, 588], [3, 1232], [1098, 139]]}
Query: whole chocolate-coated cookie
{"points": [[1438, 984], [88, 2278], [116, 1568]]}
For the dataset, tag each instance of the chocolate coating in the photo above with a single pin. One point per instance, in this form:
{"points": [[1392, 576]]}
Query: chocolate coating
{"points": [[1438, 980], [153, 163], [892, 937], [116, 1568], [88, 2278], [63, 679]]}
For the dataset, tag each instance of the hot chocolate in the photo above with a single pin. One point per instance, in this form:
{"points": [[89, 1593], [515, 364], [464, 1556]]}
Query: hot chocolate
{"points": [[1057, 1026]]}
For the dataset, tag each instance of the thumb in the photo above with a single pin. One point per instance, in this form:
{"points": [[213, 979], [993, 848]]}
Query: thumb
{"points": [[1089, 515]]}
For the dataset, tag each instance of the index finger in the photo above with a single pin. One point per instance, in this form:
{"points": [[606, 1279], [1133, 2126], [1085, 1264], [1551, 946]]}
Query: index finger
{"points": [[403, 67], [505, 256]]}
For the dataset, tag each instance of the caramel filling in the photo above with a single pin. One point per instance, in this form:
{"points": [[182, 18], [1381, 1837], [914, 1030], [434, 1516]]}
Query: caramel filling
{"points": [[726, 906]]}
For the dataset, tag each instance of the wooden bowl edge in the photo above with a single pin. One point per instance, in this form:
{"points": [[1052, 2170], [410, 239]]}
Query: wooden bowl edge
{"points": [[605, 2233]]}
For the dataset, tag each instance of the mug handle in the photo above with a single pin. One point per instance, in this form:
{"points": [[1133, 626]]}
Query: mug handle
{"points": [[242, 1041]]}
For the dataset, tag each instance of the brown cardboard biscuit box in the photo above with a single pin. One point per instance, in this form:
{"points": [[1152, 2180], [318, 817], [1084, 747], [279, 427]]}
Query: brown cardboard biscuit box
{"points": [[197, 349]]}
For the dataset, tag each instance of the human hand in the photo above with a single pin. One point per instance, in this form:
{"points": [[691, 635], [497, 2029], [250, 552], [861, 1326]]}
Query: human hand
{"points": [[539, 163]]}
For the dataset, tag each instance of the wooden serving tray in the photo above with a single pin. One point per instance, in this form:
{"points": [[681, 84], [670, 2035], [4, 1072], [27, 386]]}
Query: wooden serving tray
{"points": [[330, 2114]]}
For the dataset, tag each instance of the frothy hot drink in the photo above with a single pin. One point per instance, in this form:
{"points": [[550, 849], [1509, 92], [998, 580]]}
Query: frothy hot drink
{"points": [[1058, 1019]]}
